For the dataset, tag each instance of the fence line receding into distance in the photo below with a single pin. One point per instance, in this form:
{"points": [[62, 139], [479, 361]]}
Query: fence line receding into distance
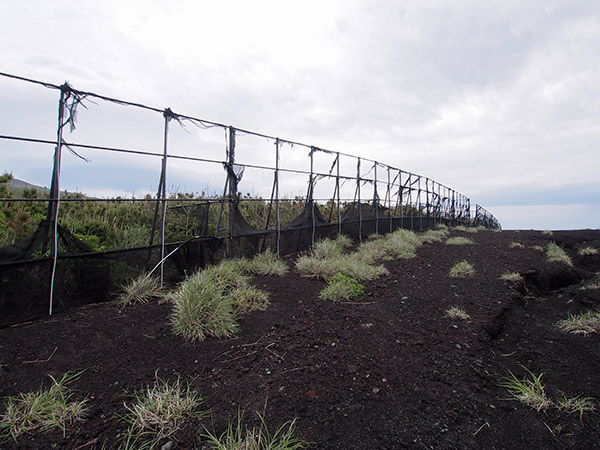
{"points": [[342, 193]]}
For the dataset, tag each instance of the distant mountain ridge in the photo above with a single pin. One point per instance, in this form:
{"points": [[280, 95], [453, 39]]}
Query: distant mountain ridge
{"points": [[20, 185]]}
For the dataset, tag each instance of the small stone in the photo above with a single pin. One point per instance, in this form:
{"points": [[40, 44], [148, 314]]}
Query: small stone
{"points": [[167, 446], [310, 394], [376, 390]]}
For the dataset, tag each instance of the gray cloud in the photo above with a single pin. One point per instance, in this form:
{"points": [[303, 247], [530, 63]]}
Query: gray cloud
{"points": [[485, 97]]}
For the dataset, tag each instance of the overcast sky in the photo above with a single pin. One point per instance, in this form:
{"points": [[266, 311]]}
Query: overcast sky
{"points": [[499, 100]]}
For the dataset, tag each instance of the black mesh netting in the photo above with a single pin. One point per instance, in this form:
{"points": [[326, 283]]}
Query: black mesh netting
{"points": [[85, 276]]}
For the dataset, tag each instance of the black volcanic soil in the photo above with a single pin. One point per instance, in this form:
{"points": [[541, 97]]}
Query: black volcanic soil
{"points": [[387, 371]]}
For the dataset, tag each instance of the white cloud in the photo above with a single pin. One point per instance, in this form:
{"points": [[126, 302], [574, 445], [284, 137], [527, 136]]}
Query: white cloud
{"points": [[480, 96]]}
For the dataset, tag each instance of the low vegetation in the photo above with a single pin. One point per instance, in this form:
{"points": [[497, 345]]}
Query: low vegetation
{"points": [[528, 390], [159, 411], [577, 404], [587, 251], [585, 323], [342, 287], [460, 240], [531, 392], [141, 290], [53, 407], [557, 254], [238, 437], [200, 309], [454, 312], [462, 269], [512, 277], [516, 245]]}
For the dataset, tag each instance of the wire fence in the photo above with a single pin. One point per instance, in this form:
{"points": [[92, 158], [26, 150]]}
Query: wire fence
{"points": [[299, 193]]}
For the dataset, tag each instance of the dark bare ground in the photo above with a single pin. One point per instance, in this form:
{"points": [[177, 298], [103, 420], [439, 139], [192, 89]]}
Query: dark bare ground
{"points": [[388, 371]]}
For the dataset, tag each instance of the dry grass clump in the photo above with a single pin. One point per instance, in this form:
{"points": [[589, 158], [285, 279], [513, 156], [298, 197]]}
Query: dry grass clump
{"points": [[557, 254], [472, 230], [462, 269], [401, 244], [42, 410], [437, 235], [538, 248], [512, 277], [159, 411], [325, 269], [459, 228], [454, 312], [460, 240], [586, 323], [547, 233], [329, 248], [516, 245], [587, 251], [594, 284], [141, 290], [327, 260], [529, 390], [267, 263]]}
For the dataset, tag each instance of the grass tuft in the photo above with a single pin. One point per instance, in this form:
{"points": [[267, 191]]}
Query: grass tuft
{"points": [[512, 277], [459, 240], [160, 410], [141, 290], [437, 235], [557, 254], [577, 404], [462, 269], [454, 312], [342, 287], [268, 263], [326, 268], [331, 248], [42, 410], [199, 309], [587, 251], [529, 390], [237, 437], [516, 245], [245, 299], [586, 323]]}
